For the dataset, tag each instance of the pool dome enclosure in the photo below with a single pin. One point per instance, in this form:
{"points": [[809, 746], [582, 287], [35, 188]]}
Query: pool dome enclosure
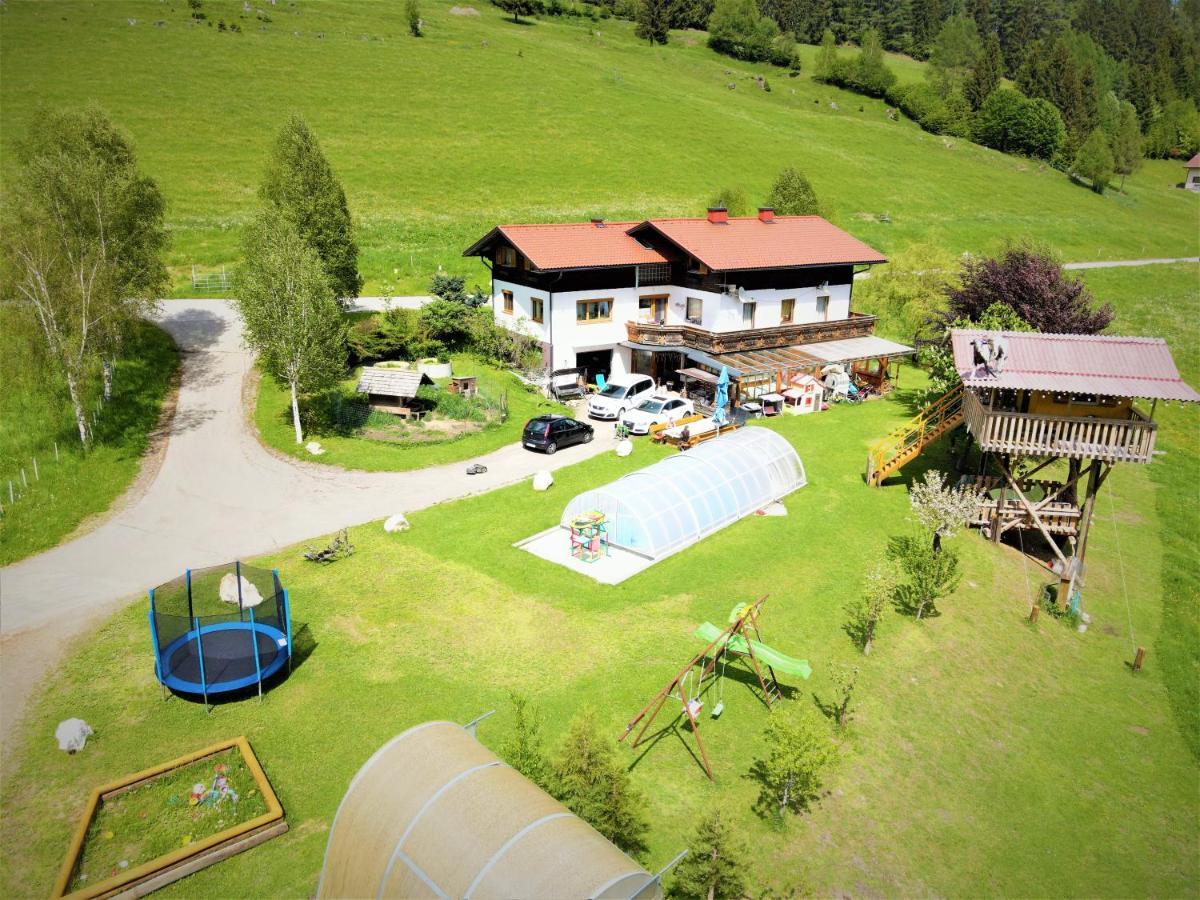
{"points": [[667, 506], [220, 630]]}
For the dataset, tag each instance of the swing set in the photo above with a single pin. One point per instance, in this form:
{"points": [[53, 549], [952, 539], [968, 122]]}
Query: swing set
{"points": [[741, 638]]}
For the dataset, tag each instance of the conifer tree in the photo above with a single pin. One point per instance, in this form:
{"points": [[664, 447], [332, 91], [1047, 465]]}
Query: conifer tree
{"points": [[300, 184], [654, 21], [1127, 143], [986, 73], [826, 57], [587, 778], [523, 751], [714, 866], [1094, 161]]}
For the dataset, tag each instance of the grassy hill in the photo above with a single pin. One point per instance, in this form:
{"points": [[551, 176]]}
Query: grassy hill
{"points": [[484, 120]]}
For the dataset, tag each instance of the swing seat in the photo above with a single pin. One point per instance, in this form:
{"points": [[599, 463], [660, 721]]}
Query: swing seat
{"points": [[693, 708], [717, 710]]}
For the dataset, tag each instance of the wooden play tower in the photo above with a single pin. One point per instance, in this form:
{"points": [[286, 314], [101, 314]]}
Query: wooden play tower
{"points": [[1054, 405]]}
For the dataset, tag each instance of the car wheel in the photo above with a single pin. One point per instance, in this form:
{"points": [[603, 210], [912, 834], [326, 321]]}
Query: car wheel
{"points": [[550, 448], [587, 437]]}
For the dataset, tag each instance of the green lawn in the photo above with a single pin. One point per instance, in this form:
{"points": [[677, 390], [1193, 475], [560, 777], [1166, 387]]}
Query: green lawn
{"points": [[483, 121], [984, 757], [273, 417], [76, 485]]}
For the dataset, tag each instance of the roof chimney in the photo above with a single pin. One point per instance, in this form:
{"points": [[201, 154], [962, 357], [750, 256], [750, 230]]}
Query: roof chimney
{"points": [[718, 215], [599, 223], [766, 214]]}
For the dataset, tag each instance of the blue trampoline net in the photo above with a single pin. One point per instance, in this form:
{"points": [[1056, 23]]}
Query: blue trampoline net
{"points": [[220, 629]]}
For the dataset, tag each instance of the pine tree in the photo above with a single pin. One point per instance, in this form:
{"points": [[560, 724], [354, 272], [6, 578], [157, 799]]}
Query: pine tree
{"points": [[714, 865], [1127, 143], [654, 21], [586, 777], [300, 184], [986, 73], [954, 55], [1094, 161], [793, 195], [523, 751]]}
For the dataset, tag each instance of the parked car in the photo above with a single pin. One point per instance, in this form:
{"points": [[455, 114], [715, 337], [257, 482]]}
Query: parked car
{"points": [[551, 433], [621, 394], [656, 411]]}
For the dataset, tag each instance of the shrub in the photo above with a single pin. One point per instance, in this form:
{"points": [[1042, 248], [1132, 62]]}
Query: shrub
{"points": [[793, 195], [928, 576], [1175, 131], [865, 72], [733, 199], [1094, 161], [799, 751], [737, 29], [923, 104], [1012, 123]]}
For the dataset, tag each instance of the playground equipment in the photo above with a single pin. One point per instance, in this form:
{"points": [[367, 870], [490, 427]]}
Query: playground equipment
{"points": [[200, 648], [688, 687], [589, 536], [434, 813]]}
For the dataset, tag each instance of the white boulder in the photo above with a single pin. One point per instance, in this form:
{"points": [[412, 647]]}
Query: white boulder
{"points": [[396, 523], [624, 447], [72, 734], [542, 481], [229, 591], [314, 447]]}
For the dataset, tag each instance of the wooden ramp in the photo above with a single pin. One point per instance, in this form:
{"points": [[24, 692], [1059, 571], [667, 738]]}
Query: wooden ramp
{"points": [[906, 442]]}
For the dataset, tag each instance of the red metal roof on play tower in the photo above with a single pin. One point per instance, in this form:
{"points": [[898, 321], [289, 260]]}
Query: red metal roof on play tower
{"points": [[1077, 363]]}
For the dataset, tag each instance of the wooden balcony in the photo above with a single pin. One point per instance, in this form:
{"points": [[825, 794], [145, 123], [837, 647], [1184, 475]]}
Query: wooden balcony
{"points": [[716, 342], [1109, 440]]}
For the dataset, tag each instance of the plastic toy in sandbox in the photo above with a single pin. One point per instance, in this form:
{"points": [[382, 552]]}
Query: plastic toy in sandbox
{"points": [[220, 630]]}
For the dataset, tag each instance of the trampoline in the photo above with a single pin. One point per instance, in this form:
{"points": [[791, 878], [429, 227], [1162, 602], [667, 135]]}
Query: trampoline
{"points": [[220, 630]]}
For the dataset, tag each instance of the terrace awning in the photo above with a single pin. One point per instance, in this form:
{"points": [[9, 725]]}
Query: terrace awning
{"points": [[699, 375], [805, 356]]}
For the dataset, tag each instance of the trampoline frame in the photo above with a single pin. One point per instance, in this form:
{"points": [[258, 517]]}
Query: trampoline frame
{"points": [[197, 631]]}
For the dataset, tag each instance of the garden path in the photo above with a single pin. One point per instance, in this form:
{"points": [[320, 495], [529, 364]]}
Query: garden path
{"points": [[218, 496]]}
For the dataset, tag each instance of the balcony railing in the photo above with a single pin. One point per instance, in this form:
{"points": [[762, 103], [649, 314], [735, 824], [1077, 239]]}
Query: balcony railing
{"points": [[715, 342], [1110, 440]]}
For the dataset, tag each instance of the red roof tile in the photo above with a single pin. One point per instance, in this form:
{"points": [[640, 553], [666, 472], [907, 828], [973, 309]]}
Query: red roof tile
{"points": [[577, 245], [749, 243], [1193, 163], [1076, 363]]}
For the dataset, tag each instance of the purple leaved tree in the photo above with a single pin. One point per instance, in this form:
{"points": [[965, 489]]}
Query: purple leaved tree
{"points": [[1033, 285]]}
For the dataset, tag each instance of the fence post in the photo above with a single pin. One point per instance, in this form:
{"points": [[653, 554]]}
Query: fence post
{"points": [[11, 499], [56, 451], [24, 480], [36, 476]]}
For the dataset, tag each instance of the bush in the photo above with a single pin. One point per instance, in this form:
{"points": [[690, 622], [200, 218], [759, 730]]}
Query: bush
{"points": [[799, 751], [737, 29], [395, 334], [1094, 161], [929, 575], [923, 104], [1012, 123]]}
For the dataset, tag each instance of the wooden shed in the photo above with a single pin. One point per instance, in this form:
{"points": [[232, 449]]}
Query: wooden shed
{"points": [[391, 390], [434, 813]]}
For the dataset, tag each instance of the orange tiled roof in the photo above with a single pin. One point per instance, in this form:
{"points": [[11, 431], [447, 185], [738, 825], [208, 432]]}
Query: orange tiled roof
{"points": [[749, 243], [577, 245], [1193, 163]]}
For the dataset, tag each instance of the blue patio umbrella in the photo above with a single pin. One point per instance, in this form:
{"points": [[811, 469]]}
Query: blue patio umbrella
{"points": [[722, 399]]}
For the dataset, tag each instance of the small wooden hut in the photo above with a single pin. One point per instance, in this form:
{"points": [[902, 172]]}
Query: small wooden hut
{"points": [[392, 390]]}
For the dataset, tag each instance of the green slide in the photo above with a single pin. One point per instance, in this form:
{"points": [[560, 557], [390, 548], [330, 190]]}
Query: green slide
{"points": [[768, 656]]}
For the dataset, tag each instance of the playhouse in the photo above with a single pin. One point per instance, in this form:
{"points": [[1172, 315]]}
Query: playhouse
{"points": [[803, 395]]}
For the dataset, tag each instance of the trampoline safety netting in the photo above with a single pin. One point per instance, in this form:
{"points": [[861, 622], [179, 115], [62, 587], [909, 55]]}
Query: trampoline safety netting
{"points": [[221, 629], [673, 503]]}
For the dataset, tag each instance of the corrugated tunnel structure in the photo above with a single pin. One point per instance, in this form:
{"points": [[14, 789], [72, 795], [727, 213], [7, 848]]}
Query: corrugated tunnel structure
{"points": [[434, 813]]}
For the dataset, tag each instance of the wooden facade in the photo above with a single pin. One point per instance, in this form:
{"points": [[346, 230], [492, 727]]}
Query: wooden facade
{"points": [[718, 342], [1079, 436]]}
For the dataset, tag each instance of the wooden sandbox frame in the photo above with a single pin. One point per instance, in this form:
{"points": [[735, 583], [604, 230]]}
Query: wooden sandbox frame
{"points": [[161, 871]]}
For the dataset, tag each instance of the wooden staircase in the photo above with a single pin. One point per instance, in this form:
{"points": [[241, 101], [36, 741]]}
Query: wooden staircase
{"points": [[906, 442]]}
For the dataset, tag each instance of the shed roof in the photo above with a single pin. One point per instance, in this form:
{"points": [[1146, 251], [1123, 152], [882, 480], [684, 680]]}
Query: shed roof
{"points": [[391, 382], [1106, 365], [1193, 163], [747, 242]]}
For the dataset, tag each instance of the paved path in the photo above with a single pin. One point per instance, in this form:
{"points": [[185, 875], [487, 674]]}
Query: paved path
{"points": [[1122, 263], [220, 496]]}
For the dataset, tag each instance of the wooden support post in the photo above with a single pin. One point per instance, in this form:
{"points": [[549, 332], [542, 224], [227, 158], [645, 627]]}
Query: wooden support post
{"points": [[1033, 613], [1000, 501], [1139, 658]]}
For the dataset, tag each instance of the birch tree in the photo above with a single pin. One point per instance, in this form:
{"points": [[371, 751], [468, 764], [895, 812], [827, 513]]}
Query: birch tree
{"points": [[82, 246], [293, 320]]}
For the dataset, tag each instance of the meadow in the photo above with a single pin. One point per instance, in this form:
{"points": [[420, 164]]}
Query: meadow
{"points": [[484, 121]]}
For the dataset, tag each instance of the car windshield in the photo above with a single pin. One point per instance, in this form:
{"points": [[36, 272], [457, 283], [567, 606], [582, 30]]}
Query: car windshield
{"points": [[652, 406], [615, 391]]}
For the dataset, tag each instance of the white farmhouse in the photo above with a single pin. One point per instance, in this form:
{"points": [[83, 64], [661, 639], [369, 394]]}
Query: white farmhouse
{"points": [[1191, 181], [766, 296]]}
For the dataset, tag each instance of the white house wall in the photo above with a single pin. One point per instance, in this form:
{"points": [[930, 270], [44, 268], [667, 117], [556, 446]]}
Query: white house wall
{"points": [[721, 313]]}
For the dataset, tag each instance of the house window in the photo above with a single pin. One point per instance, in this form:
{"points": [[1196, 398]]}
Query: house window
{"points": [[748, 314], [696, 267], [527, 263], [1063, 399], [654, 273], [506, 256], [787, 311], [594, 310], [823, 307], [652, 309], [508, 302], [695, 310], [537, 309]]}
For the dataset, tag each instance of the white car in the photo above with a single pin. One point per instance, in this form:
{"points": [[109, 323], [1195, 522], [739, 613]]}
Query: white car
{"points": [[656, 411], [621, 394]]}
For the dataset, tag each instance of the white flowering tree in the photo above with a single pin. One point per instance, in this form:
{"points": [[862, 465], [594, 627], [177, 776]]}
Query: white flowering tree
{"points": [[940, 508]]}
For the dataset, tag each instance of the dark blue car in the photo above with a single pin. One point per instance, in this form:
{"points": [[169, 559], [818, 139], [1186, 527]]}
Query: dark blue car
{"points": [[551, 433]]}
